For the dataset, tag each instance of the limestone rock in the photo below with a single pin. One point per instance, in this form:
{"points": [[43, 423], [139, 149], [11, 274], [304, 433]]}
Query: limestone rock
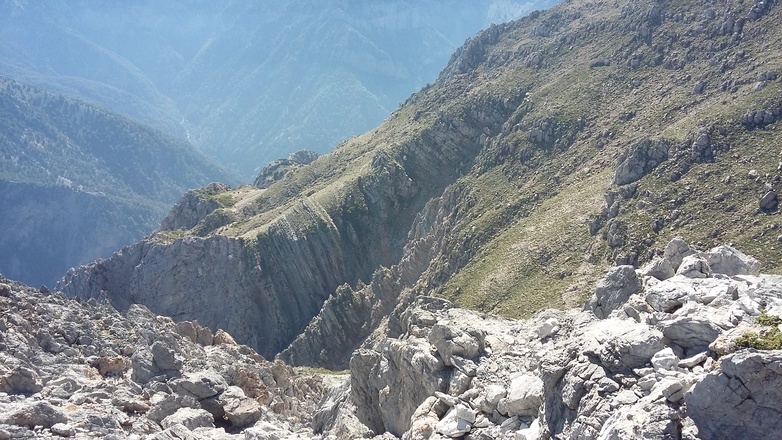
{"points": [[21, 380], [194, 207], [665, 359], [34, 414], [729, 261], [694, 266], [457, 422], [524, 397], [200, 384], [639, 160], [690, 331], [675, 251], [63, 430], [240, 410], [451, 341], [741, 398], [190, 418], [164, 357], [614, 290], [659, 268]]}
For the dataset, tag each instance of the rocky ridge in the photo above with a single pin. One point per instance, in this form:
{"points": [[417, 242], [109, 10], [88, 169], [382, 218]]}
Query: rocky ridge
{"points": [[81, 369], [657, 352]]}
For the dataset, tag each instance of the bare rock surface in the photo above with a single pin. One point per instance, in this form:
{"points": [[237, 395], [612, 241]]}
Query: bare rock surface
{"points": [[648, 365], [70, 368], [656, 358]]}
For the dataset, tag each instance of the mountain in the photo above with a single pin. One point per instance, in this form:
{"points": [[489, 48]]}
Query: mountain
{"points": [[247, 83], [548, 149], [79, 182], [593, 157]]}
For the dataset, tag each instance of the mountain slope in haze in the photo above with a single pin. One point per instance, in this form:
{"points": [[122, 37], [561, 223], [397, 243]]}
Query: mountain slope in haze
{"points": [[549, 148], [246, 82], [79, 183]]}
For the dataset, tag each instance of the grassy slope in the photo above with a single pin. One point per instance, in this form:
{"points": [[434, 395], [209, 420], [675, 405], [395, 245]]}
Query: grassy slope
{"points": [[525, 228]]}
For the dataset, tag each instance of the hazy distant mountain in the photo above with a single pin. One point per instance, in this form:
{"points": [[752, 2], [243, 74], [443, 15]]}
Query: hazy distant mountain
{"points": [[248, 82], [77, 182]]}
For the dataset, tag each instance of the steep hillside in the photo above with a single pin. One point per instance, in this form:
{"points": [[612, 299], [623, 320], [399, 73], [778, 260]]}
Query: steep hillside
{"points": [[78, 182], [548, 149], [246, 82]]}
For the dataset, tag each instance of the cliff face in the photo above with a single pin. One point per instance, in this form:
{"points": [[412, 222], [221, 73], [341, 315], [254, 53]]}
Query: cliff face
{"points": [[273, 279]]}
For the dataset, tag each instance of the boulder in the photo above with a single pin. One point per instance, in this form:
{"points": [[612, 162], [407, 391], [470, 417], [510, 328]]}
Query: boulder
{"points": [[659, 268], [690, 331], [63, 430], [623, 344], [740, 399], [21, 380], [424, 421], [675, 251], [190, 418], [667, 296], [143, 367], [200, 384], [769, 201], [240, 410], [614, 290], [524, 397], [175, 432], [164, 357], [163, 405], [729, 261], [694, 266], [457, 422], [451, 341], [665, 359], [34, 414]]}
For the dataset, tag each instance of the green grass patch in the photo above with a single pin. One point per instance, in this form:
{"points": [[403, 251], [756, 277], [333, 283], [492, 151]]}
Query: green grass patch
{"points": [[768, 339]]}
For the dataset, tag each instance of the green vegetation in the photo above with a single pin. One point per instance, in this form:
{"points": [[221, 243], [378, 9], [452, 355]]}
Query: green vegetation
{"points": [[78, 183], [768, 339], [225, 200]]}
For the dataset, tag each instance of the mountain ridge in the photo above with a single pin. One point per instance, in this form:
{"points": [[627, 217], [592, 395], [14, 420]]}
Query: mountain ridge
{"points": [[534, 139], [113, 177]]}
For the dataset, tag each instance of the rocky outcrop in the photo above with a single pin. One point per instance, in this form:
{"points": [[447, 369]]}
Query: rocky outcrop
{"points": [[647, 366], [193, 208], [79, 369], [740, 398], [277, 169], [349, 316], [639, 160]]}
